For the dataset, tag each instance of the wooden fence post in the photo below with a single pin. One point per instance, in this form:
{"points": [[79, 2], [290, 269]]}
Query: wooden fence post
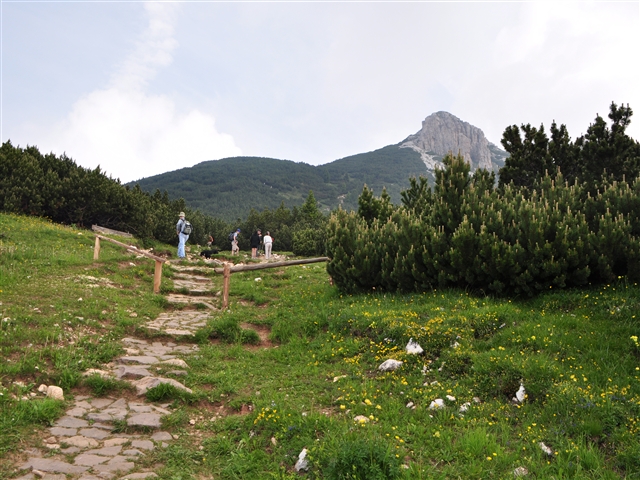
{"points": [[225, 285], [157, 277], [96, 249]]}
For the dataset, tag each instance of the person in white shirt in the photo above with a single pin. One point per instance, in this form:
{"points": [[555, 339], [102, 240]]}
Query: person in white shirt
{"points": [[268, 242]]}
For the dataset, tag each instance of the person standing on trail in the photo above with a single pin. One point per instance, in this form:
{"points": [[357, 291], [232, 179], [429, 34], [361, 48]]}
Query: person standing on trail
{"points": [[183, 229], [268, 243], [234, 243], [256, 238]]}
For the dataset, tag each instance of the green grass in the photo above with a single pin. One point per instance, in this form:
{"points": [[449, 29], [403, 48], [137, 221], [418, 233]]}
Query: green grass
{"points": [[255, 407]]}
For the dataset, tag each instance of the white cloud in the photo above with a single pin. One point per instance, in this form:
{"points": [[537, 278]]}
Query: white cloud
{"points": [[130, 132], [563, 61]]}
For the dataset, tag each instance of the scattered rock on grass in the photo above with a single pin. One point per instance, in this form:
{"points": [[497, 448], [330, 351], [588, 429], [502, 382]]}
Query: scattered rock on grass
{"points": [[302, 463], [414, 348], [545, 449], [390, 365], [520, 472]]}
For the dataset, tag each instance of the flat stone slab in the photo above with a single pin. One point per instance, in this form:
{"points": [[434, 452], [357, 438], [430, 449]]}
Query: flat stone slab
{"points": [[120, 403], [70, 450], [127, 371], [94, 433], [52, 465], [63, 432], [138, 360], [81, 441], [100, 402], [140, 476], [178, 333], [143, 444], [76, 412], [110, 442], [150, 382], [151, 420], [100, 417], [109, 451], [89, 460], [119, 466], [160, 436], [71, 422], [43, 476], [132, 453], [141, 408]]}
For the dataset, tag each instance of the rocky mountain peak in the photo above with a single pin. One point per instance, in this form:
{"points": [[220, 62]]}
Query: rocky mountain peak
{"points": [[442, 133]]}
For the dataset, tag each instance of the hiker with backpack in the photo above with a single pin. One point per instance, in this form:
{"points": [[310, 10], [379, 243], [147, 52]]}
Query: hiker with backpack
{"points": [[183, 230], [233, 236]]}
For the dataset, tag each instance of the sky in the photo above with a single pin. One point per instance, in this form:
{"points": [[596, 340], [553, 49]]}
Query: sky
{"points": [[142, 88]]}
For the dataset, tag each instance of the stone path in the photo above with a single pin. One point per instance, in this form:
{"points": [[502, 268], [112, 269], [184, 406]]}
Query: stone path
{"points": [[85, 443]]}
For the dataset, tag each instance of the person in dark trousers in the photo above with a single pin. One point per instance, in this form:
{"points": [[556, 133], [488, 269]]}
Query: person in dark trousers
{"points": [[255, 240]]}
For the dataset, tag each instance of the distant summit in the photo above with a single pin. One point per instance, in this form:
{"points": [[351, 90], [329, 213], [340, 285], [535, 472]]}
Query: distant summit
{"points": [[230, 187], [443, 132]]}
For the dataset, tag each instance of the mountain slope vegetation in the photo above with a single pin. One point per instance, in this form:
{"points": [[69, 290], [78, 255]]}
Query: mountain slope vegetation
{"points": [[229, 188]]}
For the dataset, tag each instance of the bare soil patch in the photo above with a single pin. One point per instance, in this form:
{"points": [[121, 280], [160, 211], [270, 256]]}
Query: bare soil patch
{"points": [[263, 332]]}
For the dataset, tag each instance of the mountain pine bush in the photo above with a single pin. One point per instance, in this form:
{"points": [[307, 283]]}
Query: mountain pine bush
{"points": [[466, 233]]}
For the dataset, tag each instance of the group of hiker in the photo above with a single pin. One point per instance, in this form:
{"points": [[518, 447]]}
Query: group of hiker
{"points": [[184, 229]]}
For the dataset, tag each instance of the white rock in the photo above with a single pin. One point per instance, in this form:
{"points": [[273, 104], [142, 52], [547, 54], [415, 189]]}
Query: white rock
{"points": [[455, 345], [258, 279], [520, 472], [477, 400], [335, 379], [410, 404], [390, 365], [451, 398], [55, 392], [302, 463], [520, 394], [545, 449], [361, 419], [437, 403], [413, 348], [465, 406], [441, 366]]}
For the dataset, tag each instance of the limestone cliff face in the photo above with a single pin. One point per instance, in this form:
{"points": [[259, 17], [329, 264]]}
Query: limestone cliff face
{"points": [[442, 133]]}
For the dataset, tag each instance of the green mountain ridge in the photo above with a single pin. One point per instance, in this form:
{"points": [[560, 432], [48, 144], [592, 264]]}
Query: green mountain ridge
{"points": [[230, 187]]}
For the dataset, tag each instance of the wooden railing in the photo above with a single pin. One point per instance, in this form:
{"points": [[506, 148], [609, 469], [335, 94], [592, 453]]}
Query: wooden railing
{"points": [[157, 275], [228, 270]]}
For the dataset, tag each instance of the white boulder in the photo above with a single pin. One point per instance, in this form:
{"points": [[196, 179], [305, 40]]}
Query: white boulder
{"points": [[437, 403], [520, 394], [302, 463], [413, 348], [390, 365], [55, 392], [545, 449]]}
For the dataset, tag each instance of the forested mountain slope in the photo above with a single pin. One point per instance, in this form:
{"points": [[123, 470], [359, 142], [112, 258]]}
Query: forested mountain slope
{"points": [[230, 187]]}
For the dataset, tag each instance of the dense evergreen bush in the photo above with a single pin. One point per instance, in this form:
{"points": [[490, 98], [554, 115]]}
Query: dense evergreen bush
{"points": [[466, 233], [57, 188]]}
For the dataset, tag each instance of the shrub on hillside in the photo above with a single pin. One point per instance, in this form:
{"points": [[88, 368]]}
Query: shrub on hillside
{"points": [[516, 240]]}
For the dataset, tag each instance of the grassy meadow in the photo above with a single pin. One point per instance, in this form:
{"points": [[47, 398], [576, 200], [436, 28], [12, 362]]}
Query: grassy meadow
{"points": [[256, 405]]}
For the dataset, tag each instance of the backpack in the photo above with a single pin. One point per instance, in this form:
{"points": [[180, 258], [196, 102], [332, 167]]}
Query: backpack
{"points": [[231, 235], [187, 228]]}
